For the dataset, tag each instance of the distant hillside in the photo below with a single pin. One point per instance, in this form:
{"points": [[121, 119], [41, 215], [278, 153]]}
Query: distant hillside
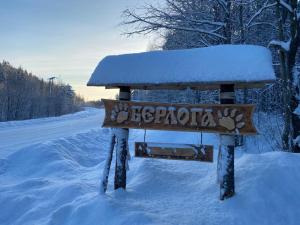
{"points": [[25, 96]]}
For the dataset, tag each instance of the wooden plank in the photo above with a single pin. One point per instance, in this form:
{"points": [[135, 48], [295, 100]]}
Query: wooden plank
{"points": [[225, 119], [174, 151], [191, 85]]}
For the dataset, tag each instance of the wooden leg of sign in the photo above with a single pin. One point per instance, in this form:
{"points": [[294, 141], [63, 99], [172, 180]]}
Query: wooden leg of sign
{"points": [[108, 164], [121, 146], [226, 151], [227, 167]]}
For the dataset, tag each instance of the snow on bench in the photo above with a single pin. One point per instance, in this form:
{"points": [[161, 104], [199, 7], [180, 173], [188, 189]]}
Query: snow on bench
{"points": [[239, 64]]}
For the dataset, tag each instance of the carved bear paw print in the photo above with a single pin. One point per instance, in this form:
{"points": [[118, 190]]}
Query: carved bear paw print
{"points": [[230, 120], [120, 113]]}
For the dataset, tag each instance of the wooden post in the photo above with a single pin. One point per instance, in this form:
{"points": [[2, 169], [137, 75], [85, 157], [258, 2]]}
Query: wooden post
{"points": [[106, 169], [226, 151], [121, 135]]}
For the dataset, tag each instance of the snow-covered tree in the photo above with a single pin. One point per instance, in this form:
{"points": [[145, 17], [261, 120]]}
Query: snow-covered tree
{"points": [[25, 96], [287, 43]]}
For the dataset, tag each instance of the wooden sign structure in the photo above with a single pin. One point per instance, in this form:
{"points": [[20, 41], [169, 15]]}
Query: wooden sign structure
{"points": [[224, 119], [154, 73], [174, 151]]}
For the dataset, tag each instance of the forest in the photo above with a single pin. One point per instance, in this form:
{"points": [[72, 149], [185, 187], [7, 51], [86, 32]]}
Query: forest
{"points": [[25, 96], [181, 24]]}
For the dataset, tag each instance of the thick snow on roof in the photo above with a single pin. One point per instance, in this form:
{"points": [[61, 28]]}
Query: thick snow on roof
{"points": [[216, 64]]}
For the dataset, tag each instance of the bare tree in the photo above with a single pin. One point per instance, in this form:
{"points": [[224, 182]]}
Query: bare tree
{"points": [[194, 16]]}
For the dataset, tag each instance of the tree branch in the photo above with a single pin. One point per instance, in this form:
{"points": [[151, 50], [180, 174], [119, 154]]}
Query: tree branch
{"points": [[265, 7]]}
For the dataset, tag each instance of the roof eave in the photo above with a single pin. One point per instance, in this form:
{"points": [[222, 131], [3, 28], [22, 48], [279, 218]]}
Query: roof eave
{"points": [[184, 85]]}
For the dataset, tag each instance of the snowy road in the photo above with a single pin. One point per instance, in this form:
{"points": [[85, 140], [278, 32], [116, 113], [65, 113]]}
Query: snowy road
{"points": [[20, 134]]}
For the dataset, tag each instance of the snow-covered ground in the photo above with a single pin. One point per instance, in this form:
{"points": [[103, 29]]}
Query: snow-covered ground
{"points": [[19, 134], [50, 172]]}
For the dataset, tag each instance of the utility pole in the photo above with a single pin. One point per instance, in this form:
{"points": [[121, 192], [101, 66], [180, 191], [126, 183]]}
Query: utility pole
{"points": [[51, 84], [50, 101]]}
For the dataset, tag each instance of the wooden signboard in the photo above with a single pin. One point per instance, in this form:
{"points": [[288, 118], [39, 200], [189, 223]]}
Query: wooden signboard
{"points": [[174, 151], [225, 119]]}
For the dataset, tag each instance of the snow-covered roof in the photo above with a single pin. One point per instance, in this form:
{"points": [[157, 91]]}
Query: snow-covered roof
{"points": [[238, 64]]}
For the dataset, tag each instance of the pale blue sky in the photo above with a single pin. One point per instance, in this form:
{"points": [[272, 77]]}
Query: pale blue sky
{"points": [[65, 38]]}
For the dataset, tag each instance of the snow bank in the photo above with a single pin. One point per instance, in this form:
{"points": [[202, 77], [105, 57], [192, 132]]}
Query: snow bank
{"points": [[222, 63]]}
